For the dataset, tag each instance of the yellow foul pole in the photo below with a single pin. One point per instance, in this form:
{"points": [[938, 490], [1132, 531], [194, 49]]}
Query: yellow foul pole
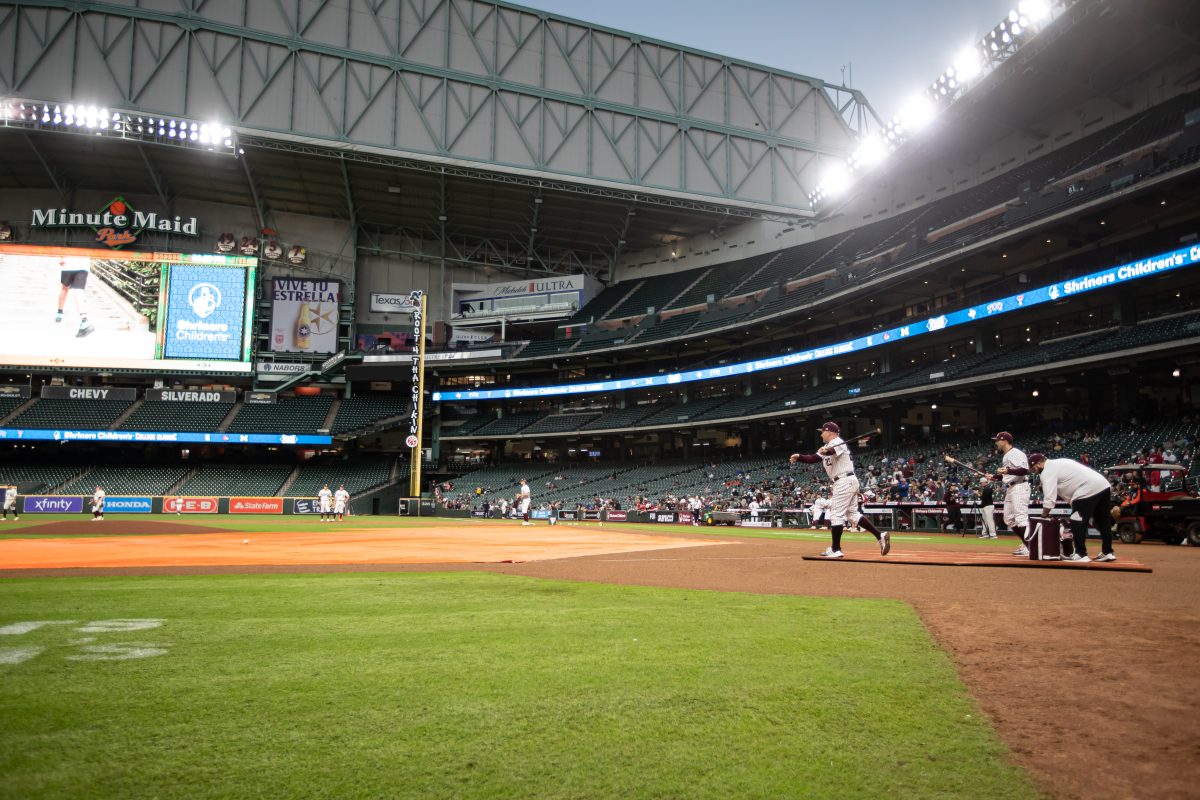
{"points": [[416, 426]]}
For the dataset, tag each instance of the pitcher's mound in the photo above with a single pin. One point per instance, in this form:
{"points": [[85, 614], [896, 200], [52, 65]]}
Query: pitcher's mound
{"points": [[943, 558], [115, 527]]}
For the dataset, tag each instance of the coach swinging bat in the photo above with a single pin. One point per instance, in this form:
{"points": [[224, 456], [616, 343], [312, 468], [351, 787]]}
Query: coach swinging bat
{"points": [[951, 460]]}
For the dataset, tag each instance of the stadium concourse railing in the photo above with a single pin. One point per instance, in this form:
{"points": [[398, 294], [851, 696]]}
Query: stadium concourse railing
{"points": [[908, 517]]}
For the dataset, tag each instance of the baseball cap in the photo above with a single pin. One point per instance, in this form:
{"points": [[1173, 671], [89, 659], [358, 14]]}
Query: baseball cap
{"points": [[1005, 435], [1036, 458], [832, 427]]}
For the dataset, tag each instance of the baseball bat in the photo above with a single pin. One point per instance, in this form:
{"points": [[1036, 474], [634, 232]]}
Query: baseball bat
{"points": [[852, 440], [950, 460]]}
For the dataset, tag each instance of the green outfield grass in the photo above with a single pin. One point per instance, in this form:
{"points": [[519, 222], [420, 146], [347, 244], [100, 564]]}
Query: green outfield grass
{"points": [[479, 686]]}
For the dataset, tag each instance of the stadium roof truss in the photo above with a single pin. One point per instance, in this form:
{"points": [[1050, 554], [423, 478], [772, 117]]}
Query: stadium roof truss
{"points": [[461, 84]]}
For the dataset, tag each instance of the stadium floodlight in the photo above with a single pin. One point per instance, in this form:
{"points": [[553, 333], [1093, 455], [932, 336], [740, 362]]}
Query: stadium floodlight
{"points": [[918, 112], [967, 66], [836, 181], [99, 120], [1035, 10], [870, 153]]}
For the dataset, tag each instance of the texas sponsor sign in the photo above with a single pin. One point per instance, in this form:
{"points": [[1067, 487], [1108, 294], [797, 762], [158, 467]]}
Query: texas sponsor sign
{"points": [[128, 505], [305, 505], [392, 303], [256, 505], [568, 513], [42, 504], [684, 518], [616, 516], [116, 224], [190, 505]]}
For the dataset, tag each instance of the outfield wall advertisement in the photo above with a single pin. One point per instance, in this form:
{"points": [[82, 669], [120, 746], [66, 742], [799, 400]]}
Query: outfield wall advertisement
{"points": [[82, 307]]}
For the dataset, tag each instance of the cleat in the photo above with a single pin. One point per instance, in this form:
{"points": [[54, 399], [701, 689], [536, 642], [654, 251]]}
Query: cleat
{"points": [[1021, 551], [885, 543], [58, 317], [1106, 557], [1073, 557], [831, 553], [1084, 560], [84, 329]]}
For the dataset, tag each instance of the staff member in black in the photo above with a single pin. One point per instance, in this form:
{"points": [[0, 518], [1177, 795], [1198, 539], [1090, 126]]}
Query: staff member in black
{"points": [[987, 509]]}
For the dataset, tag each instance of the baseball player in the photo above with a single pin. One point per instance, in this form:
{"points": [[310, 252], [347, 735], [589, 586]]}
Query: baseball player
{"points": [[819, 512], [524, 499], [1014, 472], [987, 510], [340, 500], [98, 505], [324, 503], [1090, 497], [10, 503], [843, 505]]}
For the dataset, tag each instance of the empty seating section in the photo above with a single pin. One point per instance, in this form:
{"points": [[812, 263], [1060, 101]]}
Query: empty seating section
{"points": [[156, 415], [599, 340], [654, 293], [367, 409], [358, 475], [546, 347], [289, 415], [36, 478], [96, 415], [715, 282], [622, 417], [246, 480], [599, 305], [469, 425], [501, 481], [558, 423], [143, 481], [508, 424], [667, 328], [9, 404], [684, 412]]}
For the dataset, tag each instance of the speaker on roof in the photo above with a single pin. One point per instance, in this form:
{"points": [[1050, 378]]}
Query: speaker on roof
{"points": [[710, 299], [650, 310]]}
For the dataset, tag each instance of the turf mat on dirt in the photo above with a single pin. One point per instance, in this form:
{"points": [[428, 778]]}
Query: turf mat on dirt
{"points": [[474, 685]]}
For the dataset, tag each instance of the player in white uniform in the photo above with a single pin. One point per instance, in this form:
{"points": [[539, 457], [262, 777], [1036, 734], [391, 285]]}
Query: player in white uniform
{"points": [[10, 503], [524, 499], [819, 511], [340, 500], [325, 502], [843, 505], [1090, 497], [1014, 472], [98, 505]]}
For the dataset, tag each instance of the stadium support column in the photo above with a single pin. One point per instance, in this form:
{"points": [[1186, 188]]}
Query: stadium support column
{"points": [[442, 244]]}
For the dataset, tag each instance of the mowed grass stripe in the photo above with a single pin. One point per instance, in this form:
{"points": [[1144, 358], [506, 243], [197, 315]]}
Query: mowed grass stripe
{"points": [[476, 685]]}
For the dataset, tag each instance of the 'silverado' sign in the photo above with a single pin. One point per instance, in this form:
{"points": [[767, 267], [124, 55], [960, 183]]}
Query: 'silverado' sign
{"points": [[1134, 270]]}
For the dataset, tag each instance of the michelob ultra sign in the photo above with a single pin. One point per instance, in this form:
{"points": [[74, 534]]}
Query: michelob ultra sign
{"points": [[304, 316]]}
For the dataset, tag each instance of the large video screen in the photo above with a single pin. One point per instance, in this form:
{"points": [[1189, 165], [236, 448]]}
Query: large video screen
{"points": [[304, 316], [74, 307]]}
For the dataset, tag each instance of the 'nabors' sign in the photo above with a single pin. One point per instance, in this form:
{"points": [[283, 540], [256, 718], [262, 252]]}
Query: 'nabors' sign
{"points": [[116, 224], [190, 505], [256, 505]]}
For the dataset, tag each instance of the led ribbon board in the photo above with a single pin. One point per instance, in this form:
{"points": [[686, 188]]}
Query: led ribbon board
{"points": [[1155, 265], [181, 437]]}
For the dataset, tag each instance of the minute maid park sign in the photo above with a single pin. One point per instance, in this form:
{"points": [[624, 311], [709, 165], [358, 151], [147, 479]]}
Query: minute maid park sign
{"points": [[116, 224]]}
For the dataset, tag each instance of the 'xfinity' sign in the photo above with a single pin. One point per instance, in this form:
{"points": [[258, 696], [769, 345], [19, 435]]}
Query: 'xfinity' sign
{"points": [[40, 504], [1134, 270]]}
